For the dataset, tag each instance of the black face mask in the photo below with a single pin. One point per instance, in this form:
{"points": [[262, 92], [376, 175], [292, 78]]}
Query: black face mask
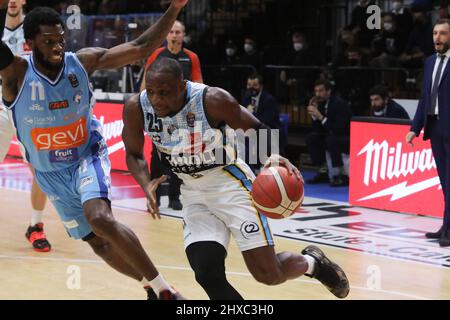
{"points": [[252, 92]]}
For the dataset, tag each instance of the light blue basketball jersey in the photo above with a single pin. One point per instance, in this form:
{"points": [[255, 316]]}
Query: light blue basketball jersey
{"points": [[186, 142], [54, 119]]}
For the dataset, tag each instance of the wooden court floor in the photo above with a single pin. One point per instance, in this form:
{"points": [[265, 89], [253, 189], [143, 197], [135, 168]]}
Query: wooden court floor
{"points": [[72, 271]]}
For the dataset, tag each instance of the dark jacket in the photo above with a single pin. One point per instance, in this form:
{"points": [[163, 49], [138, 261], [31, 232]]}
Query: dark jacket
{"points": [[338, 117], [394, 110], [267, 111]]}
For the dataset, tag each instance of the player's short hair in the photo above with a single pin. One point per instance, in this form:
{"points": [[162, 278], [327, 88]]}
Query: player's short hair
{"points": [[40, 16], [257, 76], [379, 90], [323, 82], [166, 65]]}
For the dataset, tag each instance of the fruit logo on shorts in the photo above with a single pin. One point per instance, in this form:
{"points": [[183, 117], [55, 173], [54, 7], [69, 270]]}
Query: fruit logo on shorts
{"points": [[56, 138]]}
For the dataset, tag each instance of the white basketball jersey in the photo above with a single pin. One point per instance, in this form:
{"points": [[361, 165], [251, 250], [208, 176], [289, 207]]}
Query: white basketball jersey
{"points": [[15, 40]]}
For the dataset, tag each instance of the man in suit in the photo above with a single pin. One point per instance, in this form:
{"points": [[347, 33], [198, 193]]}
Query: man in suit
{"points": [[264, 107], [331, 132], [383, 106], [433, 115]]}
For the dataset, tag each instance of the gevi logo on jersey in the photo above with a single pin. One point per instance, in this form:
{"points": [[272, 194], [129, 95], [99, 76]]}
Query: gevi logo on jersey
{"points": [[56, 138]]}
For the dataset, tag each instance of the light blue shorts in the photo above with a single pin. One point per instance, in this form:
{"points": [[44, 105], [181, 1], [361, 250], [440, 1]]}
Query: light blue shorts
{"points": [[69, 188]]}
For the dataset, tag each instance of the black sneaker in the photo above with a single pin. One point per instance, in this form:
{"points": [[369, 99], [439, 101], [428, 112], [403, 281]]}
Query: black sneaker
{"points": [[151, 295], [328, 273], [175, 204], [320, 177], [168, 295]]}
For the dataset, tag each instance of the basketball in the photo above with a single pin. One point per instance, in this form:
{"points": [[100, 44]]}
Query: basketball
{"points": [[276, 194]]}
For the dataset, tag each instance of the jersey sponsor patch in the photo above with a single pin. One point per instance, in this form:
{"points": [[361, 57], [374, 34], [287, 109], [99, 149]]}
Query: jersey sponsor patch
{"points": [[58, 105], [59, 138], [73, 80], [68, 155]]}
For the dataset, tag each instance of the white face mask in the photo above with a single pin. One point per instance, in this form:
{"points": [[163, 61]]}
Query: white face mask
{"points": [[387, 26], [396, 5], [298, 46], [230, 52], [248, 48]]}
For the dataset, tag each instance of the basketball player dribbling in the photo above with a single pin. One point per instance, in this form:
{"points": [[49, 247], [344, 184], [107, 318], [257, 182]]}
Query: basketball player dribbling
{"points": [[173, 112], [13, 37], [62, 139]]}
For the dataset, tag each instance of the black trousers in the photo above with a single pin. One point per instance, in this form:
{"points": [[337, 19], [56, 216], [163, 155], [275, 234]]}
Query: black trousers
{"points": [[318, 143], [441, 152], [157, 169]]}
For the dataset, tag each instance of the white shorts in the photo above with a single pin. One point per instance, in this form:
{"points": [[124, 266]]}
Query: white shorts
{"points": [[219, 204], [7, 132]]}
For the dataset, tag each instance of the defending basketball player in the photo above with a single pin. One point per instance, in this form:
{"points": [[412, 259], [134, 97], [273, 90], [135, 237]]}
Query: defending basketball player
{"points": [[13, 37], [216, 195], [63, 142]]}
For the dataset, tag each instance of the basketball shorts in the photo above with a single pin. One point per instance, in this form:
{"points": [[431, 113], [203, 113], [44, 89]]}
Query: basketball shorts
{"points": [[70, 188], [219, 204], [7, 132]]}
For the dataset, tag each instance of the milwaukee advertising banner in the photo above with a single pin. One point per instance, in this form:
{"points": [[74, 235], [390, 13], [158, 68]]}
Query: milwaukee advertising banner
{"points": [[110, 115], [387, 174]]}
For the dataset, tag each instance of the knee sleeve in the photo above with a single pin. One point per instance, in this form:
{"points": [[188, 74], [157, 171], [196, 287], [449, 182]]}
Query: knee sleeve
{"points": [[207, 259]]}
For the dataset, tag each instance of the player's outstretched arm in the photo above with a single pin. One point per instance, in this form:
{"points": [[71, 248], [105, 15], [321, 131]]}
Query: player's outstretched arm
{"points": [[129, 52], [12, 68], [134, 140]]}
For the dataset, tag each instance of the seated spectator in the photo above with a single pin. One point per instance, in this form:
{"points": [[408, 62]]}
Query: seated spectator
{"points": [[383, 106], [296, 80], [354, 57], [231, 53], [388, 44], [358, 24], [331, 132], [420, 42], [263, 106], [403, 18], [251, 56]]}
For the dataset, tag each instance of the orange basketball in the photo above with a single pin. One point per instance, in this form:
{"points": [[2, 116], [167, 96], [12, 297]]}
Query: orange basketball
{"points": [[277, 194]]}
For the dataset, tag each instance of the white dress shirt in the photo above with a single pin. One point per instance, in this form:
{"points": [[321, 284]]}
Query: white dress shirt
{"points": [[436, 65]]}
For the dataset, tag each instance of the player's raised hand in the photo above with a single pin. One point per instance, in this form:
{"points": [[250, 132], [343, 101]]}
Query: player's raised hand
{"points": [[277, 160], [152, 205], [178, 4]]}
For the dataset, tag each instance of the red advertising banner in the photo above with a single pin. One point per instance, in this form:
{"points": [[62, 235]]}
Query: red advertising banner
{"points": [[110, 115], [387, 174]]}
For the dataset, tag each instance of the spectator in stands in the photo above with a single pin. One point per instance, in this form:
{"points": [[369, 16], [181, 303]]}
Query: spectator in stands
{"points": [[355, 57], [383, 106], [296, 80], [388, 44], [251, 56], [231, 53], [358, 24], [191, 71], [331, 132], [264, 107], [403, 18], [261, 103], [420, 44]]}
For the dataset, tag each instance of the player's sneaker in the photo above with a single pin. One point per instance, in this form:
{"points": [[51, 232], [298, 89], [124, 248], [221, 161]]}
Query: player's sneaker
{"points": [[168, 295], [36, 236], [151, 295], [328, 273]]}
